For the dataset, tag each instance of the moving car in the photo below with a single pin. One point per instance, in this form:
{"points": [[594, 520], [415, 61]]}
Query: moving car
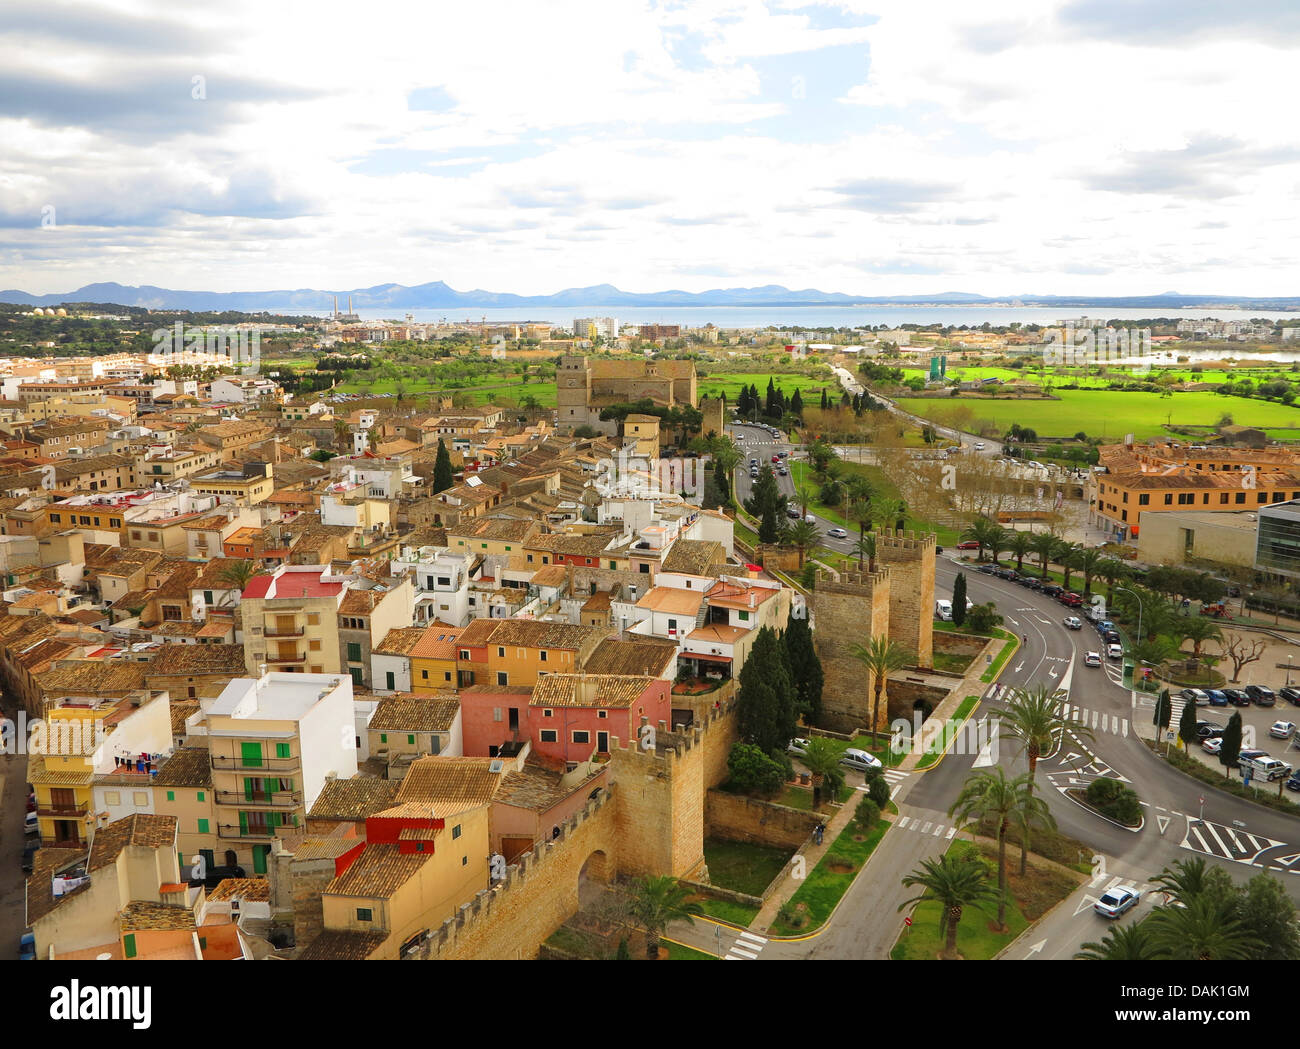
{"points": [[810, 518], [1264, 697], [979, 447], [969, 544], [1236, 697], [1282, 729], [1116, 901], [860, 760], [1072, 623], [837, 533], [792, 512], [1194, 695], [1092, 659], [798, 746]]}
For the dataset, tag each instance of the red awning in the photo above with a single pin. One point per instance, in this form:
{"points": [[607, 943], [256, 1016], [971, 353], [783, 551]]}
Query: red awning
{"points": [[711, 659]]}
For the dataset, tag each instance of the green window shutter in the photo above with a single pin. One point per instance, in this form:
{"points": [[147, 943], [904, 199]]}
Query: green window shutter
{"points": [[411, 739], [207, 597], [383, 737], [391, 680], [248, 789], [282, 750], [354, 651], [273, 819], [171, 795], [128, 945], [201, 796], [243, 823], [203, 826], [203, 943], [251, 755]]}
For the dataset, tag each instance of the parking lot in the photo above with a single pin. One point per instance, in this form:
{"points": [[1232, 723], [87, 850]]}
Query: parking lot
{"points": [[1256, 721]]}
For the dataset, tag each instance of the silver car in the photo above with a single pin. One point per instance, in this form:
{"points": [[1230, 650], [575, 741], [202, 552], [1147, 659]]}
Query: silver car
{"points": [[1116, 901]]}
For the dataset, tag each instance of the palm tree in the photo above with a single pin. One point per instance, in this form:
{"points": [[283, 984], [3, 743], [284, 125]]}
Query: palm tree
{"points": [[1114, 571], [238, 573], [1197, 630], [881, 657], [802, 534], [1087, 560], [1062, 552], [1185, 880], [657, 902], [990, 796], [1044, 545], [866, 548], [1020, 543], [858, 493], [822, 758], [985, 533], [1202, 930], [1122, 943], [955, 884], [891, 513], [1033, 717]]}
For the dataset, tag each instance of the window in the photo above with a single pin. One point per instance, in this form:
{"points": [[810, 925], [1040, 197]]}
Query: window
{"points": [[581, 736], [549, 735], [744, 617], [410, 739], [383, 737], [1169, 499], [602, 713], [354, 652], [313, 645], [56, 518], [112, 797], [171, 795], [455, 831], [503, 678], [1241, 497], [496, 713], [364, 914], [201, 796], [203, 826], [140, 799], [547, 713], [464, 653], [282, 750], [424, 674], [501, 652], [313, 619], [464, 861]]}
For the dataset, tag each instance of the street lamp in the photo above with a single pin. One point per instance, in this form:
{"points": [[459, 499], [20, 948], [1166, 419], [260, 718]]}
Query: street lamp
{"points": [[1288, 669], [1139, 601]]}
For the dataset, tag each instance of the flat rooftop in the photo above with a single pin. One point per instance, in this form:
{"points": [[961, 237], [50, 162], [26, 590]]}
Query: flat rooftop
{"points": [[275, 697]]}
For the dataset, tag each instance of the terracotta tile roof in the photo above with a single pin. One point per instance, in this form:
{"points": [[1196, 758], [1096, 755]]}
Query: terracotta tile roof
{"points": [[142, 915], [181, 709], [378, 872], [399, 641], [138, 829], [187, 767], [353, 799], [318, 848], [694, 556], [648, 657], [673, 601], [533, 633], [438, 641], [438, 778], [718, 633], [411, 713], [487, 529], [241, 889], [92, 677], [335, 946], [588, 690]]}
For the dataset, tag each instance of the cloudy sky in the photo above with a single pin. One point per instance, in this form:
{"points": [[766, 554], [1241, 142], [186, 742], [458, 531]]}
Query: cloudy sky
{"points": [[869, 146]]}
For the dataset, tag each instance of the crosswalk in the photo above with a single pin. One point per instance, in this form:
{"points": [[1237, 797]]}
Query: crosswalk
{"points": [[893, 777], [933, 828], [747, 948], [1095, 720], [1226, 843]]}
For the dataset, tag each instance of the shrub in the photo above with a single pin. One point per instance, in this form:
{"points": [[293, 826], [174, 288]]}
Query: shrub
{"points": [[753, 772], [1111, 798], [868, 812], [878, 789]]}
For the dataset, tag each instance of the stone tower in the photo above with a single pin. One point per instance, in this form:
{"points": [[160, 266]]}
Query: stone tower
{"points": [[909, 558], [846, 612], [714, 410], [572, 393]]}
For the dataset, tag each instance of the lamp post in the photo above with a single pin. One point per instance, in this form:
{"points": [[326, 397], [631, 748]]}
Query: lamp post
{"points": [[1139, 633]]}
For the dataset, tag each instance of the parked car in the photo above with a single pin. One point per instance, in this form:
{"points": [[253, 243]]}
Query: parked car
{"points": [[1282, 729], [1072, 623], [1263, 697], [1115, 650], [1052, 590], [837, 533], [782, 471], [860, 760], [1194, 695], [1291, 695], [798, 746], [27, 948], [1251, 754], [1293, 783], [1208, 729], [31, 825], [792, 512], [1212, 745], [1114, 902], [1070, 599], [1264, 767], [969, 544], [1236, 697], [776, 458], [1217, 698], [937, 549], [1092, 659]]}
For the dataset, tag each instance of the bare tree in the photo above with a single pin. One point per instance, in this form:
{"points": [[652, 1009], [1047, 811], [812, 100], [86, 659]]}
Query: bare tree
{"points": [[1235, 648]]}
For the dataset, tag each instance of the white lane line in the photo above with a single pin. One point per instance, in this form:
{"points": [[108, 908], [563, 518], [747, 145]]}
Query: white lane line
{"points": [[903, 820], [938, 829], [735, 949], [951, 832], [751, 936]]}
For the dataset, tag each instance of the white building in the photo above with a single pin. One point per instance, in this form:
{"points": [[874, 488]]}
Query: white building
{"points": [[442, 583]]}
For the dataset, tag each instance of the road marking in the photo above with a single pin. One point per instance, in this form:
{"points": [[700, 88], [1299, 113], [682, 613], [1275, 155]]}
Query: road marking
{"points": [[926, 828], [751, 936], [735, 950], [938, 829], [903, 820], [1163, 823]]}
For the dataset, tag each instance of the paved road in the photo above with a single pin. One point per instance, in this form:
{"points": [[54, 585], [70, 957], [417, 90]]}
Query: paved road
{"points": [[13, 795]]}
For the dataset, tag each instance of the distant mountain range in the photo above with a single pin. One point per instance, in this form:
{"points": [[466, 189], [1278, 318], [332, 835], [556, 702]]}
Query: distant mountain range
{"points": [[437, 295]]}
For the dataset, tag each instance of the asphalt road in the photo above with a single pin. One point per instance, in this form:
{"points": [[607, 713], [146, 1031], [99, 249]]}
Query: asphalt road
{"points": [[13, 796]]}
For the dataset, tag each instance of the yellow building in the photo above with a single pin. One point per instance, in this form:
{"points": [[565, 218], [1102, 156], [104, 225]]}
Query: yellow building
{"points": [[290, 621]]}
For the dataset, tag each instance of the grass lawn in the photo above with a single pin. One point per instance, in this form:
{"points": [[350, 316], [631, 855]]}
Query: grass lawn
{"points": [[1109, 414], [728, 911], [801, 797], [941, 744], [801, 474], [825, 887], [743, 867], [1031, 898], [810, 386], [1000, 659], [679, 952]]}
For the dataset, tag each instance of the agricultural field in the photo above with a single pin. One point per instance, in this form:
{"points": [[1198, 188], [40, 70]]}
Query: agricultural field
{"points": [[809, 386], [1110, 414]]}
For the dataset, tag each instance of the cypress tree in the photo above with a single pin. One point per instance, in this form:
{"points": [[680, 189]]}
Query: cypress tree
{"points": [[1187, 724], [442, 476], [765, 708], [825, 400], [805, 668], [959, 599], [796, 405], [1230, 743]]}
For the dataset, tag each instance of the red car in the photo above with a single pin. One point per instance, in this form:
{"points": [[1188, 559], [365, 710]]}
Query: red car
{"points": [[1071, 600], [970, 544], [776, 458]]}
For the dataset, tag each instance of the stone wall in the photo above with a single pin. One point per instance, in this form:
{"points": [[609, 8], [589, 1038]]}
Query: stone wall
{"points": [[959, 644], [307, 879], [735, 817], [846, 612], [909, 556], [783, 558]]}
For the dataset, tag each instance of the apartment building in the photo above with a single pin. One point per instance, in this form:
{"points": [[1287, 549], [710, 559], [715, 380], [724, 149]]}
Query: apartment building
{"points": [[290, 620], [519, 651], [274, 742], [365, 617], [244, 484]]}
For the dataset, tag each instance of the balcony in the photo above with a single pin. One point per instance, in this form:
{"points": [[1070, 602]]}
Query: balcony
{"points": [[281, 632], [226, 830], [63, 812], [282, 660], [261, 799], [240, 764]]}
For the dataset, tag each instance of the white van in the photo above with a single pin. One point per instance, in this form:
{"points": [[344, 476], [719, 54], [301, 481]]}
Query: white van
{"points": [[943, 610]]}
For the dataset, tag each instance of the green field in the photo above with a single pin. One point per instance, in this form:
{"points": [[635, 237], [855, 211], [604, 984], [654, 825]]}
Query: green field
{"points": [[729, 384], [1111, 414]]}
